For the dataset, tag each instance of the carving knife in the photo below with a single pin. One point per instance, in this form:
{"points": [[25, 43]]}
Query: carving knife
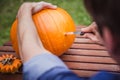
{"points": [[77, 33]]}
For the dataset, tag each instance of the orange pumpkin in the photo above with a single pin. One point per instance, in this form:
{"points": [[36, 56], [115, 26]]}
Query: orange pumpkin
{"points": [[51, 26]]}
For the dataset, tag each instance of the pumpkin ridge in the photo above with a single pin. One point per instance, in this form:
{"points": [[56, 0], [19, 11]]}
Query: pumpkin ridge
{"points": [[54, 20], [64, 43], [42, 33], [59, 11], [58, 29], [53, 47], [65, 13], [64, 21], [48, 40], [37, 24]]}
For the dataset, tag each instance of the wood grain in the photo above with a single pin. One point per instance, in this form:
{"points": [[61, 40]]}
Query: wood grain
{"points": [[11, 77], [86, 52], [88, 59]]}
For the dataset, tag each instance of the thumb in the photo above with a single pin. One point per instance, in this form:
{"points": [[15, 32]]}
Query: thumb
{"points": [[91, 28]]}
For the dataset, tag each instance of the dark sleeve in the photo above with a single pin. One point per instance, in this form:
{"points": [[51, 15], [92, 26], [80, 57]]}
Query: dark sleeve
{"points": [[63, 74], [60, 73]]}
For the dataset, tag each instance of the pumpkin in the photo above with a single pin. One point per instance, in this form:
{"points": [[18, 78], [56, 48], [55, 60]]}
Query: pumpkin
{"points": [[51, 26], [9, 63]]}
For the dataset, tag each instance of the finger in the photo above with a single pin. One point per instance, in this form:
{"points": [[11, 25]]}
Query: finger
{"points": [[90, 28], [47, 5], [86, 29], [43, 5], [91, 36]]}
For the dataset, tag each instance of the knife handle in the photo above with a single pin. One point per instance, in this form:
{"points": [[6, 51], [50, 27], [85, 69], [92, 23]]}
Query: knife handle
{"points": [[82, 33]]}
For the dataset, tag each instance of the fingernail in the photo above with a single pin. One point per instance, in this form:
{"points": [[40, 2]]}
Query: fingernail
{"points": [[82, 29], [55, 6]]}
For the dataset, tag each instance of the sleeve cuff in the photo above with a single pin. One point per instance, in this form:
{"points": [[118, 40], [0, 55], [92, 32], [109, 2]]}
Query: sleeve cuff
{"points": [[40, 64]]}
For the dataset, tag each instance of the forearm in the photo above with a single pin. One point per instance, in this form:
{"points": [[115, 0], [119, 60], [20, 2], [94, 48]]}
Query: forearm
{"points": [[30, 43]]}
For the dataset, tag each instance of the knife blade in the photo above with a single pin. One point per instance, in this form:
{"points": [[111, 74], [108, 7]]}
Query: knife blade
{"points": [[76, 32]]}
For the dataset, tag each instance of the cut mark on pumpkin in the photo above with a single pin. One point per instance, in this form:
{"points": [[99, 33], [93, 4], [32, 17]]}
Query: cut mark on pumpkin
{"points": [[68, 33]]}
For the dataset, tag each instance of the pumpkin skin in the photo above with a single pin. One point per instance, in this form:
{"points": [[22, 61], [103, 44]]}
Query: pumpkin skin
{"points": [[51, 26]]}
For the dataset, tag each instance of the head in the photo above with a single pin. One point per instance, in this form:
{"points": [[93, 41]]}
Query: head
{"points": [[106, 14]]}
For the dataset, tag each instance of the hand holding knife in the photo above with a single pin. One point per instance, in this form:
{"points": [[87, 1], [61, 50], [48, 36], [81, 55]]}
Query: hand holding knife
{"points": [[90, 32], [77, 33]]}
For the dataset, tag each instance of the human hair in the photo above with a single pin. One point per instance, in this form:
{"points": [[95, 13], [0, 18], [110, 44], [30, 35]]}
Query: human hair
{"points": [[105, 13]]}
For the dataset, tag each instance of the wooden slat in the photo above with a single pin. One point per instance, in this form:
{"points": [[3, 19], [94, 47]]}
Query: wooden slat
{"points": [[6, 49], [74, 46], [13, 53], [93, 66], [11, 77], [88, 46], [87, 52], [83, 41], [7, 43], [88, 59], [7, 52]]}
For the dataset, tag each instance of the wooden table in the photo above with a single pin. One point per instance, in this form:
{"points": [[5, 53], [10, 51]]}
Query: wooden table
{"points": [[85, 58]]}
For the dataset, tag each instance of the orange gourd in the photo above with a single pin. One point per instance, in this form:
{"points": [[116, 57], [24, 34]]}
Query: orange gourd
{"points": [[51, 26], [9, 63]]}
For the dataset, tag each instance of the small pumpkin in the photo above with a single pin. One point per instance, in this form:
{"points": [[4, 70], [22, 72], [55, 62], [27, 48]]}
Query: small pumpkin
{"points": [[51, 26], [9, 63]]}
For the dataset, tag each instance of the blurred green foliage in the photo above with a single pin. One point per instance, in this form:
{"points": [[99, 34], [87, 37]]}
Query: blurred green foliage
{"points": [[9, 8]]}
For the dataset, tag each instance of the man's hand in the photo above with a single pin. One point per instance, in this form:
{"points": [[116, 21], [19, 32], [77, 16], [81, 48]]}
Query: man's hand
{"points": [[33, 7], [92, 33], [30, 44]]}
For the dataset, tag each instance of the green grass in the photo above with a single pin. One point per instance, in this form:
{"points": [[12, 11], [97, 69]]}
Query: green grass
{"points": [[9, 10]]}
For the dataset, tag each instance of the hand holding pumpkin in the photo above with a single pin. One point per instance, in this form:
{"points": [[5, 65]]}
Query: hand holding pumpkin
{"points": [[26, 31], [29, 8], [45, 30]]}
